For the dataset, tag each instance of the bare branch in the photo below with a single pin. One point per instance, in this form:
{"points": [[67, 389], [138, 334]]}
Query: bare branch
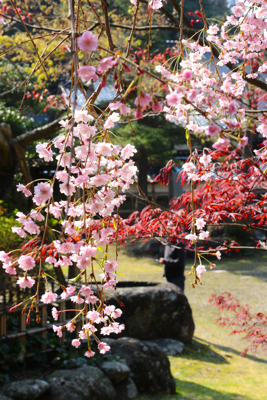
{"points": [[107, 27], [32, 26]]}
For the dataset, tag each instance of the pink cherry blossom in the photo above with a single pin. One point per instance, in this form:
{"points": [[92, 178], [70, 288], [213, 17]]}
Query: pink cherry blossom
{"points": [[31, 227], [51, 260], [200, 223], [116, 313], [76, 343], [173, 99], [243, 142], [88, 72], [82, 116], [104, 149], [155, 4], [187, 74], [100, 180], [89, 353], [58, 330], [205, 159], [77, 299], [9, 269], [87, 42], [105, 64], [88, 251], [128, 151], [200, 270], [143, 99], [109, 309], [70, 327], [24, 190], [19, 231], [44, 151], [110, 122], [66, 247], [27, 282], [26, 263], [68, 292], [156, 107], [64, 123], [221, 142], [204, 235], [232, 108], [121, 107], [42, 191], [86, 291], [48, 297], [138, 113], [189, 167], [93, 315], [238, 11], [103, 347], [218, 254], [55, 313], [4, 257], [111, 266], [192, 94], [191, 236], [91, 300], [213, 130], [213, 30]]}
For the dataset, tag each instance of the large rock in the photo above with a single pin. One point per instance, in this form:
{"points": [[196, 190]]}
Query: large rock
{"points": [[2, 397], [160, 311], [115, 370], [149, 365], [170, 346], [29, 389], [86, 383], [126, 390]]}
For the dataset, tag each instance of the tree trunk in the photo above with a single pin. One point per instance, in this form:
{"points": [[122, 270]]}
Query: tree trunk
{"points": [[60, 276], [73, 271], [8, 161], [142, 165]]}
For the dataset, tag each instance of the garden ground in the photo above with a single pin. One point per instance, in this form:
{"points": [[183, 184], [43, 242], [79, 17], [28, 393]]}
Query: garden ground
{"points": [[211, 366]]}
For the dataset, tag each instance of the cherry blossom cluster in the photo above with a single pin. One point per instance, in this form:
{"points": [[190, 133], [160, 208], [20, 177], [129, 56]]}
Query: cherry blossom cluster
{"points": [[92, 174], [200, 88]]}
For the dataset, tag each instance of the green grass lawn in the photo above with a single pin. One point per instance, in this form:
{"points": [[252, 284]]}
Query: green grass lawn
{"points": [[211, 367]]}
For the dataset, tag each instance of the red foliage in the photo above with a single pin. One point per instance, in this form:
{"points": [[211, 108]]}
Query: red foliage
{"points": [[165, 173], [233, 194], [253, 325]]}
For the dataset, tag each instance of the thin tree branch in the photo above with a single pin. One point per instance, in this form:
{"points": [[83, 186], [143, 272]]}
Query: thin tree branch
{"points": [[133, 29], [107, 27], [32, 26]]}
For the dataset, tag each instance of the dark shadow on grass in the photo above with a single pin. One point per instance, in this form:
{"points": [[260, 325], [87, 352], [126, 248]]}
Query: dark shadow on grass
{"points": [[200, 351], [190, 390], [252, 265], [231, 350]]}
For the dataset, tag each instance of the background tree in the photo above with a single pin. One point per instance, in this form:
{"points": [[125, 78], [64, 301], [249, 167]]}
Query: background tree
{"points": [[154, 138]]}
